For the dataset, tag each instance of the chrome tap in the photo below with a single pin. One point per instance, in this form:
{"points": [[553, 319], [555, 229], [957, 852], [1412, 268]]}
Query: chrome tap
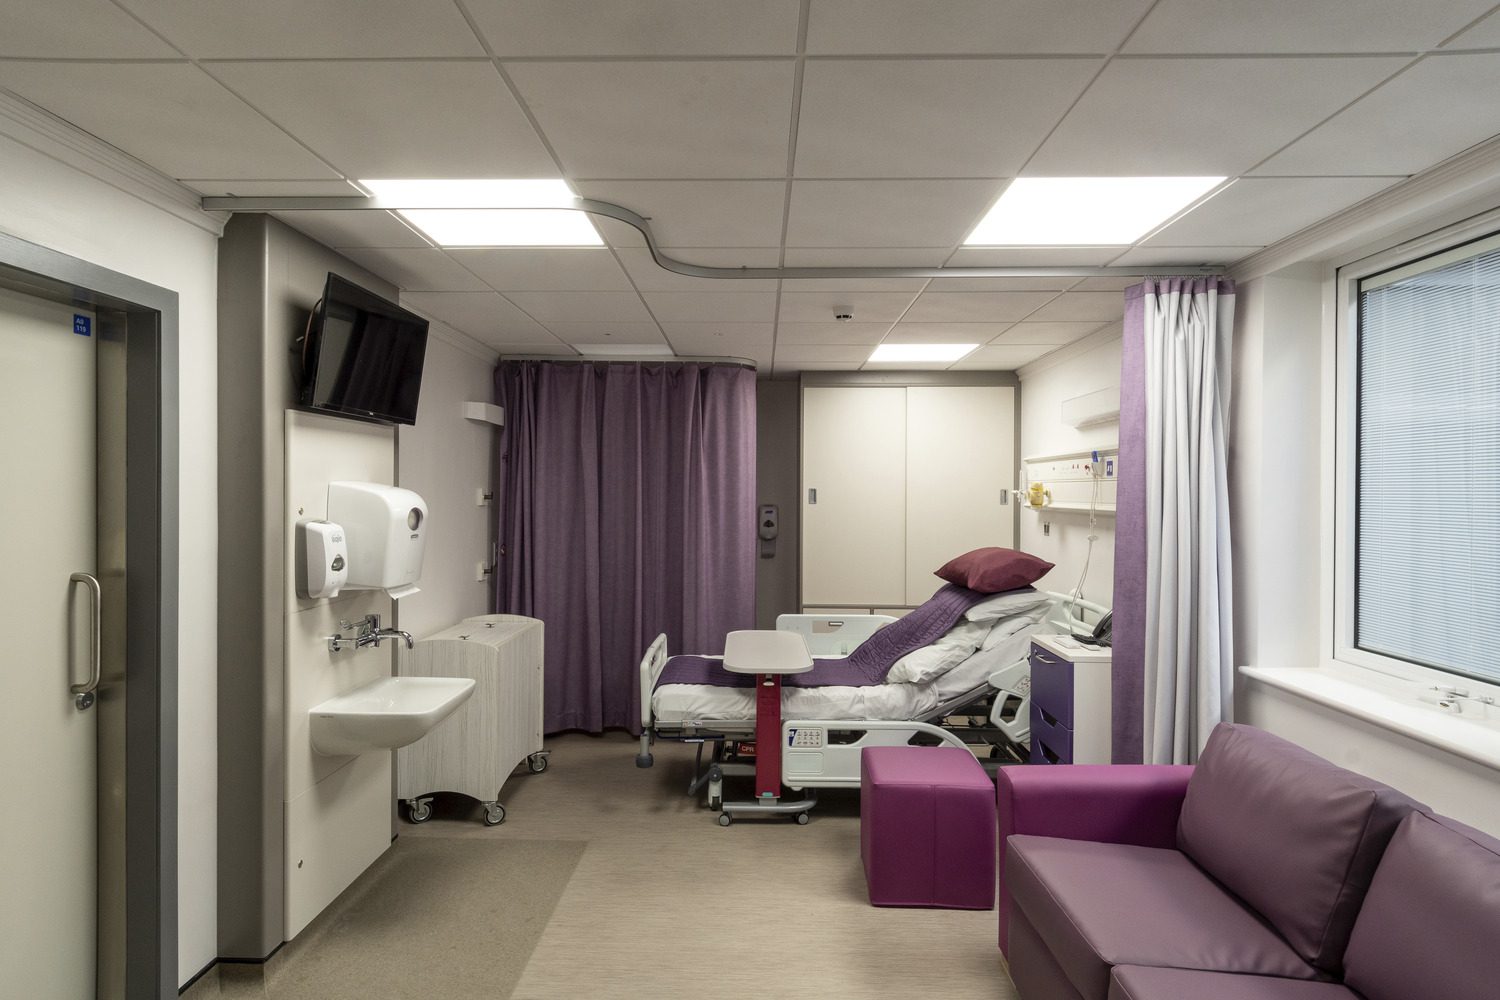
{"points": [[367, 633]]}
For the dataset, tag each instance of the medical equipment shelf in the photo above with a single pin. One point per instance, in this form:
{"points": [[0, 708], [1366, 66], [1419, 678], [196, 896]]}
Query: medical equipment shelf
{"points": [[474, 752]]}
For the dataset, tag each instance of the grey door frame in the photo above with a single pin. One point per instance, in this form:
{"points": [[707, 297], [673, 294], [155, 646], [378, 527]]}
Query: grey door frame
{"points": [[147, 316]]}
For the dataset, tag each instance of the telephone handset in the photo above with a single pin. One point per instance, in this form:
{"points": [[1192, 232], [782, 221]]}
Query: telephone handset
{"points": [[1104, 631]]}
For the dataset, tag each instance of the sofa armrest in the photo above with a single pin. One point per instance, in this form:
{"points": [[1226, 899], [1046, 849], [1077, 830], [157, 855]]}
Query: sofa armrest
{"points": [[1107, 803]]}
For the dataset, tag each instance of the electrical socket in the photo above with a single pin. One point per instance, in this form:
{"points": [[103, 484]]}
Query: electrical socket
{"points": [[481, 497]]}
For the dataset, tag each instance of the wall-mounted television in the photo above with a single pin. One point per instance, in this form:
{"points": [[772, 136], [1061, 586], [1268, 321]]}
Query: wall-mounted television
{"points": [[362, 356]]}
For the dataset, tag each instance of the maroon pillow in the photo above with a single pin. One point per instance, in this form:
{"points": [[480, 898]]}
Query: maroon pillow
{"points": [[994, 569]]}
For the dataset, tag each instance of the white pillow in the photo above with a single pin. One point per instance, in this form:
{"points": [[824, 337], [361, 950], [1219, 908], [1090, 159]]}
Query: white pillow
{"points": [[931, 662], [1012, 602], [1004, 628]]}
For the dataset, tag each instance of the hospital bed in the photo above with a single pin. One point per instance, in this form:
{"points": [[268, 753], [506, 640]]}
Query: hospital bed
{"points": [[983, 702]]}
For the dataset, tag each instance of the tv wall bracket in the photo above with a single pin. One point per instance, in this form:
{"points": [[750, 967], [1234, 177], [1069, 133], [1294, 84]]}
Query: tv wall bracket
{"points": [[340, 203]]}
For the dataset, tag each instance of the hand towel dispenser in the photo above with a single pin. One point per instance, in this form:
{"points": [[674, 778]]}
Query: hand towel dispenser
{"points": [[385, 528]]}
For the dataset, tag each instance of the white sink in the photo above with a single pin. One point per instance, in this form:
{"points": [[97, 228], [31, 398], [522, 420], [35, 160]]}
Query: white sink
{"points": [[385, 714]]}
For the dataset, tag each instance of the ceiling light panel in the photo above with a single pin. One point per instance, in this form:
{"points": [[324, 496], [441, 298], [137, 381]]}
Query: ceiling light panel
{"points": [[472, 193], [505, 227], [910, 353], [1062, 211]]}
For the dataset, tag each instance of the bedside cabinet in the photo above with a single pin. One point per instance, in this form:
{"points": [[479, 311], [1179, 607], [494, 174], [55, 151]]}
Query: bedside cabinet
{"points": [[1070, 701]]}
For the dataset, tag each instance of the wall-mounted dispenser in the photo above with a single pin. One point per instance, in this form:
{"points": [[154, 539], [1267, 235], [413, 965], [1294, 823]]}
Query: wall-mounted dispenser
{"points": [[322, 559], [386, 532]]}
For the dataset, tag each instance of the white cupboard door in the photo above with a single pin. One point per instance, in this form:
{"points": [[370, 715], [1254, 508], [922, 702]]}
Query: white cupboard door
{"points": [[960, 459], [854, 495]]}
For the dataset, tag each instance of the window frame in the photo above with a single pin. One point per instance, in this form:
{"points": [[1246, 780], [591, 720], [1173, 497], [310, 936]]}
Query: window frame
{"points": [[1471, 234]]}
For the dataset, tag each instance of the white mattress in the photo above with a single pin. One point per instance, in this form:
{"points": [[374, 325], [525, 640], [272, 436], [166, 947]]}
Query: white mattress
{"points": [[674, 704]]}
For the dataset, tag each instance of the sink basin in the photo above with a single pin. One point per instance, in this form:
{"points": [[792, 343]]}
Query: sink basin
{"points": [[388, 713]]}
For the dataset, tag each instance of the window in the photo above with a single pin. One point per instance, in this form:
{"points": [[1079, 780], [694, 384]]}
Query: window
{"points": [[1426, 482]]}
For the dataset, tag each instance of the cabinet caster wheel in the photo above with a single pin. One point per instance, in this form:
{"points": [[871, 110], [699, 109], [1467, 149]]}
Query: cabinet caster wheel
{"points": [[802, 819], [725, 819], [537, 763], [494, 814], [418, 810]]}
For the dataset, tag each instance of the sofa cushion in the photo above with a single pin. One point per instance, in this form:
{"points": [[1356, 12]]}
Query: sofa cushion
{"points": [[1101, 905], [1134, 982], [1430, 926], [1294, 836]]}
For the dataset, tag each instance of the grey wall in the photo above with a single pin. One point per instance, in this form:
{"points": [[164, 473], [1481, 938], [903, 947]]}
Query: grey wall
{"points": [[270, 276], [778, 469]]}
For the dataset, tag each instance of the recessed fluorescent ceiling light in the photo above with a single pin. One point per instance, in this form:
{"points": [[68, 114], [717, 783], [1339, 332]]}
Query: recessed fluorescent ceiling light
{"points": [[1085, 211], [886, 353], [489, 213], [626, 350]]}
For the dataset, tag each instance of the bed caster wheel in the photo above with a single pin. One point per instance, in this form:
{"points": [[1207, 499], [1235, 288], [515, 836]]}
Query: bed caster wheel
{"points": [[494, 814], [537, 762], [725, 819], [715, 803], [802, 819], [418, 810]]}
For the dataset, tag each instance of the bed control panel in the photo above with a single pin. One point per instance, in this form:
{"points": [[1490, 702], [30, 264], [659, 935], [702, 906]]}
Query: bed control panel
{"points": [[804, 738]]}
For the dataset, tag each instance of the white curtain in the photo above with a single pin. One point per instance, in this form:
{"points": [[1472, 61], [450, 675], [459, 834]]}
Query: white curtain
{"points": [[1189, 670]]}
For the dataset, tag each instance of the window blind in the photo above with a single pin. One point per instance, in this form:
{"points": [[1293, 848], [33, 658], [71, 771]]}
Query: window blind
{"points": [[1427, 578]]}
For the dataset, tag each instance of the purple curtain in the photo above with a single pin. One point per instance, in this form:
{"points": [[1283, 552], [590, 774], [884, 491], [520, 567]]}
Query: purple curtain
{"points": [[1129, 600], [627, 509]]}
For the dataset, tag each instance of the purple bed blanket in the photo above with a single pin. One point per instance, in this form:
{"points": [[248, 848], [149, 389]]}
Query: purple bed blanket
{"points": [[866, 666]]}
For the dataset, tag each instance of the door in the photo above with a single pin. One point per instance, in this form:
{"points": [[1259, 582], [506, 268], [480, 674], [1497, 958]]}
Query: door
{"points": [[961, 463], [48, 846], [853, 496]]}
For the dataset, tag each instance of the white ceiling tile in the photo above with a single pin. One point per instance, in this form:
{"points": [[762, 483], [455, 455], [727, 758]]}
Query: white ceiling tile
{"points": [[1184, 256], [931, 118], [866, 307], [975, 307], [485, 316], [1047, 333], [831, 333], [1133, 121], [554, 349], [750, 333], [582, 307], [1213, 26], [275, 189], [1444, 104], [616, 233], [726, 306], [946, 333], [342, 230], [412, 118], [637, 27], [1484, 35], [882, 213], [607, 333], [1258, 211], [172, 116], [416, 269], [663, 119], [1000, 284], [77, 29], [542, 269], [853, 284], [970, 26], [1002, 357], [700, 213], [1081, 307], [650, 276], [284, 29], [1033, 256], [867, 256], [733, 340], [803, 355]]}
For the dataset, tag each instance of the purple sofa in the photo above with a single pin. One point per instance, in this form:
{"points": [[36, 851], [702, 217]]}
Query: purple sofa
{"points": [[1265, 873]]}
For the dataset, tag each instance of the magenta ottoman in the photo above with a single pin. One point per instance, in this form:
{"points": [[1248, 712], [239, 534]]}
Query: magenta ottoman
{"points": [[927, 828]]}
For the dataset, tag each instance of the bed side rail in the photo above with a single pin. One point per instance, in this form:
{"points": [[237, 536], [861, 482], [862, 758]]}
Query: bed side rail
{"points": [[652, 665], [1073, 614], [832, 635]]}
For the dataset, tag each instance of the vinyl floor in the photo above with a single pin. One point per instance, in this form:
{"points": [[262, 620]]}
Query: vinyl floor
{"points": [[606, 880]]}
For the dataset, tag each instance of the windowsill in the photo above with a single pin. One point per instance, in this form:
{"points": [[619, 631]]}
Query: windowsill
{"points": [[1392, 705]]}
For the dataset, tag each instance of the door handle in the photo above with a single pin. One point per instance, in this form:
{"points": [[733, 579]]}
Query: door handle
{"points": [[83, 694]]}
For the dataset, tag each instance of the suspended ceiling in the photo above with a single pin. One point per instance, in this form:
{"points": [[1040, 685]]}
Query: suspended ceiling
{"points": [[776, 132]]}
